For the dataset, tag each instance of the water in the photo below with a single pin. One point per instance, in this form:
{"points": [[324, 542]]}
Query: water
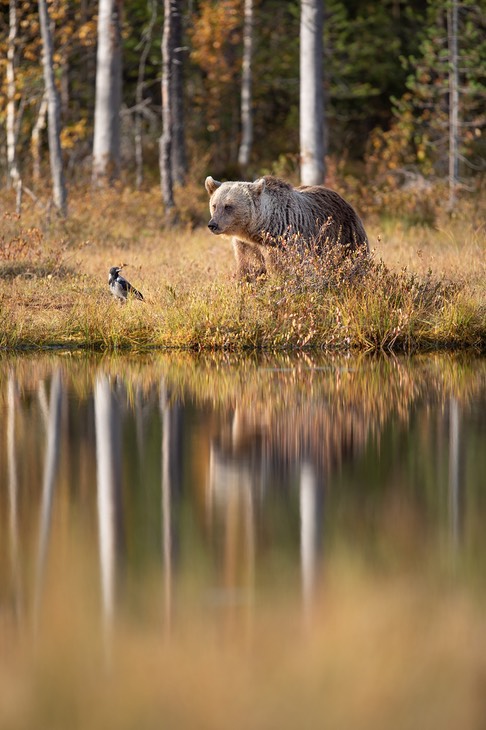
{"points": [[186, 496]]}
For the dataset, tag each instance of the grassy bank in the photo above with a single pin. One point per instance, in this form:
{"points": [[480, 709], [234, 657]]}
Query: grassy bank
{"points": [[425, 288]]}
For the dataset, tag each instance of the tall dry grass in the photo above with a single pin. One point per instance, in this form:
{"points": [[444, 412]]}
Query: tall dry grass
{"points": [[424, 289]]}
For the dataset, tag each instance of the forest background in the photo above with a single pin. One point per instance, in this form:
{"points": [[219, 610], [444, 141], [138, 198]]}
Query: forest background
{"points": [[386, 92], [404, 97]]}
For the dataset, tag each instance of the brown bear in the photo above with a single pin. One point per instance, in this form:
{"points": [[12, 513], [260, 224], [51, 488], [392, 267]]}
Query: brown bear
{"points": [[267, 214]]}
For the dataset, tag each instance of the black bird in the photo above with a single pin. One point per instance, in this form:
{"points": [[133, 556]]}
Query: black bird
{"points": [[120, 287]]}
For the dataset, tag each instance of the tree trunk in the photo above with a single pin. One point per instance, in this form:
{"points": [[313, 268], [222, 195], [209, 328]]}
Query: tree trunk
{"points": [[165, 144], [246, 88], [312, 138], [171, 413], [311, 521], [51, 467], [454, 472], [13, 494], [109, 478], [13, 172], [35, 140], [452, 33], [53, 113], [106, 143], [179, 157], [64, 85]]}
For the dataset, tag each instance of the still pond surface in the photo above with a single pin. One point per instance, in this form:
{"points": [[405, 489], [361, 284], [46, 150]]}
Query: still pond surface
{"points": [[171, 490]]}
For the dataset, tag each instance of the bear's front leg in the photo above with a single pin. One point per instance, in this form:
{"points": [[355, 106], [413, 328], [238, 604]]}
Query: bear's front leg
{"points": [[250, 263]]}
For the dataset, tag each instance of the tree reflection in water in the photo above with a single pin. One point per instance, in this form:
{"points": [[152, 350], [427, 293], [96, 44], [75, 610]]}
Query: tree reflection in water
{"points": [[232, 473], [109, 480], [51, 461]]}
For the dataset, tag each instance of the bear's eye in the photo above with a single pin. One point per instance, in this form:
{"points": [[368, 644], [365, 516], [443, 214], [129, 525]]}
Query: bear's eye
{"points": [[228, 207]]}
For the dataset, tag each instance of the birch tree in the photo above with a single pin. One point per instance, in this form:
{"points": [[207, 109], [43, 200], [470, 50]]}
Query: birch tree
{"points": [[165, 142], [311, 505], [51, 468], [13, 172], [312, 138], [106, 142], [246, 88], [108, 470], [53, 112], [35, 139], [13, 493]]}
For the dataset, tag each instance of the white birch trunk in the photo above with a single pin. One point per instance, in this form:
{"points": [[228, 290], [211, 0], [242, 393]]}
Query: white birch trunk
{"points": [[309, 533], [108, 470], [49, 483], [454, 475], [312, 136], [246, 88], [452, 33], [13, 495], [13, 173], [53, 113], [106, 142], [167, 489], [35, 140], [165, 143]]}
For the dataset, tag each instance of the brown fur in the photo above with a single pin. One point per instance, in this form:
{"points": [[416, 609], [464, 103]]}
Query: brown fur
{"points": [[268, 213]]}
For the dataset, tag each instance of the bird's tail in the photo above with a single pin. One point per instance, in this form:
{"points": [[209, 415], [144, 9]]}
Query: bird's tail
{"points": [[135, 293]]}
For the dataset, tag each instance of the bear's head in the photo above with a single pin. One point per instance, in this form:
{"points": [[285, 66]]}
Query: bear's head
{"points": [[233, 206]]}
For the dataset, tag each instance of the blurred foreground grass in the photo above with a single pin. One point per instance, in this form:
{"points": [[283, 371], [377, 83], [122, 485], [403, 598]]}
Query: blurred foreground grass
{"points": [[373, 652], [425, 290]]}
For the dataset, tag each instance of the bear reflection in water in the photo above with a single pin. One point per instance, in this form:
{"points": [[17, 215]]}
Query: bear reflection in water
{"points": [[258, 450]]}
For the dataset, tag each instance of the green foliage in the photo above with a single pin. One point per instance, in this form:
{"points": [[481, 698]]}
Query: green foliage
{"points": [[276, 81], [386, 75], [418, 137], [363, 45]]}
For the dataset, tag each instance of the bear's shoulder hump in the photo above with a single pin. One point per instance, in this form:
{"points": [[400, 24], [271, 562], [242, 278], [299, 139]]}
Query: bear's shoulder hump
{"points": [[276, 183]]}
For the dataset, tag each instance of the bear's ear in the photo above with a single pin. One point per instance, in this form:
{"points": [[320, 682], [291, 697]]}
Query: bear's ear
{"points": [[211, 185], [258, 186]]}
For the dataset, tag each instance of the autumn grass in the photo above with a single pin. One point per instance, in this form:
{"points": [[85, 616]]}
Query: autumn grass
{"points": [[424, 288]]}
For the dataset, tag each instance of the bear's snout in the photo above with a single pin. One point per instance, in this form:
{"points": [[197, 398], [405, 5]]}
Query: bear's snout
{"points": [[213, 226]]}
